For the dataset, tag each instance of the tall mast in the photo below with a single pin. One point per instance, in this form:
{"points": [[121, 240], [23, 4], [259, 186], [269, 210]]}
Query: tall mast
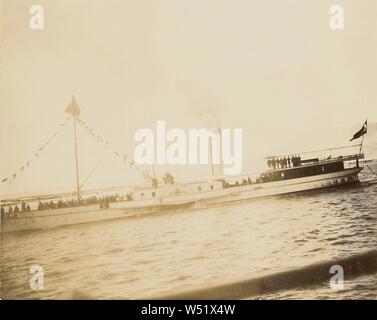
{"points": [[76, 159], [74, 110]]}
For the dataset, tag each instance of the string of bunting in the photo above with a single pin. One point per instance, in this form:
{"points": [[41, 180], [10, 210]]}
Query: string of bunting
{"points": [[128, 161], [12, 177]]}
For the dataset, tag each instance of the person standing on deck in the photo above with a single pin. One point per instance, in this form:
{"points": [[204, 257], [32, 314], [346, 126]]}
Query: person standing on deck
{"points": [[281, 163], [294, 161], [285, 162]]}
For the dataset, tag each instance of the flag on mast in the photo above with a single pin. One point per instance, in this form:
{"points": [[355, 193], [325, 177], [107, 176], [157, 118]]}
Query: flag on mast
{"points": [[361, 132], [73, 108]]}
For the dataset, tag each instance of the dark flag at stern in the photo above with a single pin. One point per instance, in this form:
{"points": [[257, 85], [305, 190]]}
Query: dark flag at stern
{"points": [[361, 132]]}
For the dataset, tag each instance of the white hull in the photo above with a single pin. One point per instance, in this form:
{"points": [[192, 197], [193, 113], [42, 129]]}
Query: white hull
{"points": [[292, 185], [47, 219]]}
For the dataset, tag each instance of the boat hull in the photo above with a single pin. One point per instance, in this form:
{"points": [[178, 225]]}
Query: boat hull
{"points": [[348, 176], [47, 219]]}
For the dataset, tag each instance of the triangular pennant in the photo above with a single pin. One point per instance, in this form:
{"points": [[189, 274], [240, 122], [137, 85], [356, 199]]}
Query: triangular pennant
{"points": [[73, 108]]}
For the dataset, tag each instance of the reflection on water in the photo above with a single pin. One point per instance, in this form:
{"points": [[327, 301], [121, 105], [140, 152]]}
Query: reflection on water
{"points": [[149, 256]]}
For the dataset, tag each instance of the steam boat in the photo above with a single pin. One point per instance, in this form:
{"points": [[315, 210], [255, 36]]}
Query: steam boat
{"points": [[286, 174], [308, 175]]}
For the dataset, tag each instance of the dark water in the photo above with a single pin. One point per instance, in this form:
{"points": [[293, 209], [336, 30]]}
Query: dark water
{"points": [[187, 250]]}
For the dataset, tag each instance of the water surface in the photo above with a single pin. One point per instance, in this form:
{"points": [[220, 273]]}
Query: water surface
{"points": [[185, 250]]}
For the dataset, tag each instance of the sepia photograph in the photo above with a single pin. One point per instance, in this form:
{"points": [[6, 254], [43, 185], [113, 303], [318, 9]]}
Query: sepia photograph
{"points": [[165, 150]]}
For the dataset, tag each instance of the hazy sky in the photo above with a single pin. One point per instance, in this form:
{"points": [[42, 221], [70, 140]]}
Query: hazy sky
{"points": [[275, 67]]}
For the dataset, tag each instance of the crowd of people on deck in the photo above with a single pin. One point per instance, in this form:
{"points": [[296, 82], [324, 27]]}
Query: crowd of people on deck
{"points": [[103, 201], [286, 162], [273, 163], [243, 182], [16, 209], [168, 178]]}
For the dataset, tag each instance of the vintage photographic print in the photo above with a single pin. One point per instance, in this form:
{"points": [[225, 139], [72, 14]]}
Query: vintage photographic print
{"points": [[188, 150]]}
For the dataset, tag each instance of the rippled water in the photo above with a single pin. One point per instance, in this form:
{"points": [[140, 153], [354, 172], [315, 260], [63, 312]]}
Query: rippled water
{"points": [[184, 250]]}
